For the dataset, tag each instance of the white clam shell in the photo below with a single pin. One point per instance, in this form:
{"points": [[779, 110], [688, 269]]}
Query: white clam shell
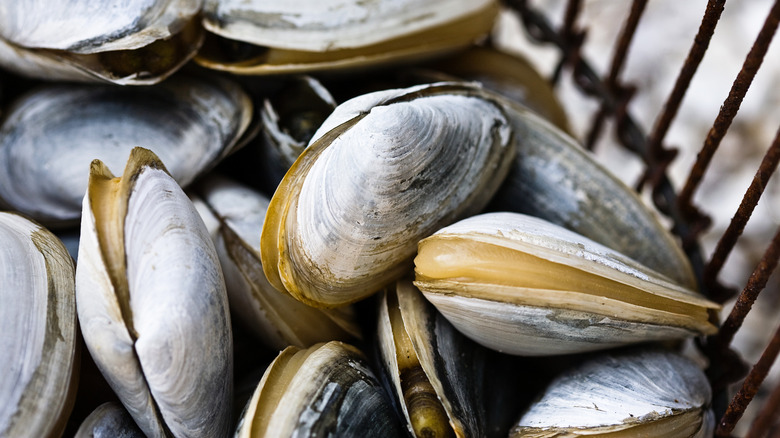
{"points": [[275, 317], [168, 352], [37, 330], [619, 392], [533, 321], [83, 26], [346, 218], [50, 136], [320, 25]]}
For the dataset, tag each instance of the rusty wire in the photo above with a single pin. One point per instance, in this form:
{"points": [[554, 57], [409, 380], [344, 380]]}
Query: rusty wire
{"points": [[688, 222], [729, 109], [616, 66], [767, 417]]}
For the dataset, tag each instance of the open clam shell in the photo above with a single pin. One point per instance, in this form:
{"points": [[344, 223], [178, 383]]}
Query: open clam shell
{"points": [[652, 394], [336, 34], [384, 170], [554, 178], [436, 373], [50, 136], [276, 317], [139, 42], [152, 302], [38, 330], [522, 285], [325, 390]]}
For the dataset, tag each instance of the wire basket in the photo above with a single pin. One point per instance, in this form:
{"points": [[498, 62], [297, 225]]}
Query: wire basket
{"points": [[735, 384]]}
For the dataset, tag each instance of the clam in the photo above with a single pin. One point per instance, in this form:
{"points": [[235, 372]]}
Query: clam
{"points": [[651, 394], [50, 135], [383, 171], [522, 285], [136, 43], [435, 372], [277, 318], [289, 119], [152, 303], [265, 37], [325, 390], [37, 330], [109, 420], [554, 178]]}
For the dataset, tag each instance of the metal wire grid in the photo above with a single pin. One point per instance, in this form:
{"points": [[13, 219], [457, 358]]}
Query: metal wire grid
{"points": [[689, 221]]}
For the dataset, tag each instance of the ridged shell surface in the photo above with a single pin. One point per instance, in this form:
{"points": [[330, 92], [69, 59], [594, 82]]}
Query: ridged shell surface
{"points": [[327, 390], [275, 317], [522, 309], [634, 393], [152, 302], [397, 166], [37, 330], [84, 26], [51, 135], [320, 25]]}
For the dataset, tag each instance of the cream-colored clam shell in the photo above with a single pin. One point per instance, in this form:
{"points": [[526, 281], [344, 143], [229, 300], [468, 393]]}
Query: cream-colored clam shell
{"points": [[652, 394], [399, 164], [325, 390], [51, 135], [38, 331], [505, 315], [275, 317], [152, 303]]}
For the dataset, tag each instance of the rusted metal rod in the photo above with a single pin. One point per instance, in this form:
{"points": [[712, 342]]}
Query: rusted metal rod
{"points": [[769, 415], [756, 283], [700, 44], [616, 66], [569, 33], [730, 106], [739, 220], [749, 387]]}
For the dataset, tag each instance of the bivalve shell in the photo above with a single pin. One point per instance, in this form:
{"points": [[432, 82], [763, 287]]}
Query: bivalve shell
{"points": [[38, 330], [383, 171], [524, 286], [651, 394], [152, 302]]}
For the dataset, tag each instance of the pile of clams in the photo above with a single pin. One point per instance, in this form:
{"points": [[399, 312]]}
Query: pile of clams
{"points": [[388, 249]]}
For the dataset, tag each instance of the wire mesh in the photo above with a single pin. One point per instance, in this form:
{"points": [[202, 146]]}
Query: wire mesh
{"points": [[688, 220]]}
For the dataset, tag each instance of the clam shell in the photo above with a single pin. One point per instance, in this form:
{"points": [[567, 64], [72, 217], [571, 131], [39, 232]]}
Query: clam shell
{"points": [[109, 420], [649, 394], [325, 390], [522, 285], [554, 178], [397, 166], [37, 330], [51, 135], [139, 42], [275, 317], [335, 34], [453, 365], [152, 303]]}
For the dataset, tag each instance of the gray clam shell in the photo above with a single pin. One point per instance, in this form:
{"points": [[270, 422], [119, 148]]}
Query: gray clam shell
{"points": [[37, 330], [50, 136], [109, 420], [620, 391]]}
